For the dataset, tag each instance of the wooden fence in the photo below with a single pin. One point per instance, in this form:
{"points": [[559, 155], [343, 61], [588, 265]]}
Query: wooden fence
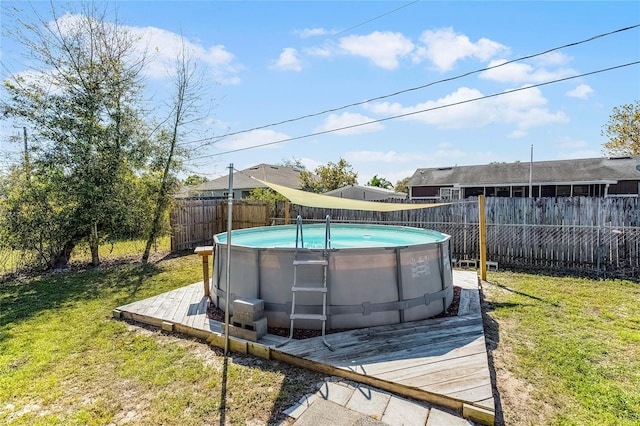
{"points": [[596, 236], [195, 222]]}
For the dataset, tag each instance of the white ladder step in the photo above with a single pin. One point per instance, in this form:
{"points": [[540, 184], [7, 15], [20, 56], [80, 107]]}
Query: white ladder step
{"points": [[308, 317], [310, 262], [312, 289]]}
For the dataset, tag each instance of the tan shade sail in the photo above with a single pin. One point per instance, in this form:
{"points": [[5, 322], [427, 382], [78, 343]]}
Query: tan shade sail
{"points": [[310, 199]]}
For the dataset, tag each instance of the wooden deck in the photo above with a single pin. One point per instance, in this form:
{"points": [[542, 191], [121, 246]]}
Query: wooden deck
{"points": [[443, 360]]}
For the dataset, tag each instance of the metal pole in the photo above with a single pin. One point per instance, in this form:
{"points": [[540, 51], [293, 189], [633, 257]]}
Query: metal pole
{"points": [[531, 174], [228, 287]]}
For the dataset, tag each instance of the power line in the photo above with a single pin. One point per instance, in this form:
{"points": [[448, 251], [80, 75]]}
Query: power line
{"points": [[493, 95], [595, 37], [373, 19]]}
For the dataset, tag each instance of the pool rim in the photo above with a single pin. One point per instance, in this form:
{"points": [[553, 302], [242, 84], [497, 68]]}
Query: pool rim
{"points": [[273, 228]]}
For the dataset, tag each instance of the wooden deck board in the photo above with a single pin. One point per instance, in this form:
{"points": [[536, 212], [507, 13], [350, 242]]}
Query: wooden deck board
{"points": [[197, 308], [427, 366], [441, 360]]}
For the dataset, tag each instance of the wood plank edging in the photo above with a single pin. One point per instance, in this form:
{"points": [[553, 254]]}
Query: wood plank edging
{"points": [[478, 414]]}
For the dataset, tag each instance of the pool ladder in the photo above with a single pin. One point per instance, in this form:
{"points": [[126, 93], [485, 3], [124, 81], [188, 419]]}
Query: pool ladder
{"points": [[324, 262]]}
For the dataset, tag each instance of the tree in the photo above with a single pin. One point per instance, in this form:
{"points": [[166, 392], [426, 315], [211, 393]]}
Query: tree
{"points": [[294, 163], [401, 185], [187, 87], [379, 182], [329, 177], [193, 180], [81, 103], [623, 130], [266, 194]]}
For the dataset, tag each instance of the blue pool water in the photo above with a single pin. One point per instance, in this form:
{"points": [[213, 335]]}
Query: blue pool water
{"points": [[342, 236]]}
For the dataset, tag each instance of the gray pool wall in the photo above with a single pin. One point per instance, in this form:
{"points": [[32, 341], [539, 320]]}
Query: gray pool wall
{"points": [[366, 286]]}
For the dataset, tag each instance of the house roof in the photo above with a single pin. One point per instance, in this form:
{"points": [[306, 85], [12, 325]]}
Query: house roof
{"points": [[281, 175], [587, 170], [357, 192]]}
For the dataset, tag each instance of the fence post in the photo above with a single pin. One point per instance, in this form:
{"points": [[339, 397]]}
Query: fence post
{"points": [[483, 239], [287, 219]]}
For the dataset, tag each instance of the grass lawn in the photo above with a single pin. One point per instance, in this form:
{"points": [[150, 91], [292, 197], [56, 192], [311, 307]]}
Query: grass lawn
{"points": [[565, 350], [63, 360], [12, 260]]}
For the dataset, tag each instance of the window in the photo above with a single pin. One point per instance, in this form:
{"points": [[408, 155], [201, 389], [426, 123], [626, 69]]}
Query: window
{"points": [[548, 191], [503, 191], [450, 193], [581, 190], [473, 192], [518, 191]]}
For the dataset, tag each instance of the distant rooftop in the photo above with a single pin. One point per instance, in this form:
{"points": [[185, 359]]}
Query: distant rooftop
{"points": [[594, 170], [281, 175]]}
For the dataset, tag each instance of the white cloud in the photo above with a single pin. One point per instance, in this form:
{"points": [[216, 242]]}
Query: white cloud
{"points": [[583, 91], [524, 109], [289, 60], [162, 48], [310, 163], [519, 72], [313, 32], [320, 51], [392, 157], [570, 143], [252, 139], [450, 117], [584, 153], [426, 156], [382, 48], [444, 47], [552, 58], [517, 134], [347, 119]]}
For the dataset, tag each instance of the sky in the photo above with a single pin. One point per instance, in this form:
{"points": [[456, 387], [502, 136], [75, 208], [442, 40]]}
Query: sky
{"points": [[396, 65]]}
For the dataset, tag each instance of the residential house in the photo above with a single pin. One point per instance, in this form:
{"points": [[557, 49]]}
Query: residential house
{"points": [[589, 177], [243, 182]]}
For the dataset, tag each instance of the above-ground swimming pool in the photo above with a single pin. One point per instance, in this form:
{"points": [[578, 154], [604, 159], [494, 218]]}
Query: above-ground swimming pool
{"points": [[376, 274]]}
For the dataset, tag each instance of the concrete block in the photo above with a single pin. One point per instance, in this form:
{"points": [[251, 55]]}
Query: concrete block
{"points": [[442, 418], [248, 304], [252, 332], [468, 263], [403, 412], [247, 318], [301, 406], [340, 393], [369, 401]]}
